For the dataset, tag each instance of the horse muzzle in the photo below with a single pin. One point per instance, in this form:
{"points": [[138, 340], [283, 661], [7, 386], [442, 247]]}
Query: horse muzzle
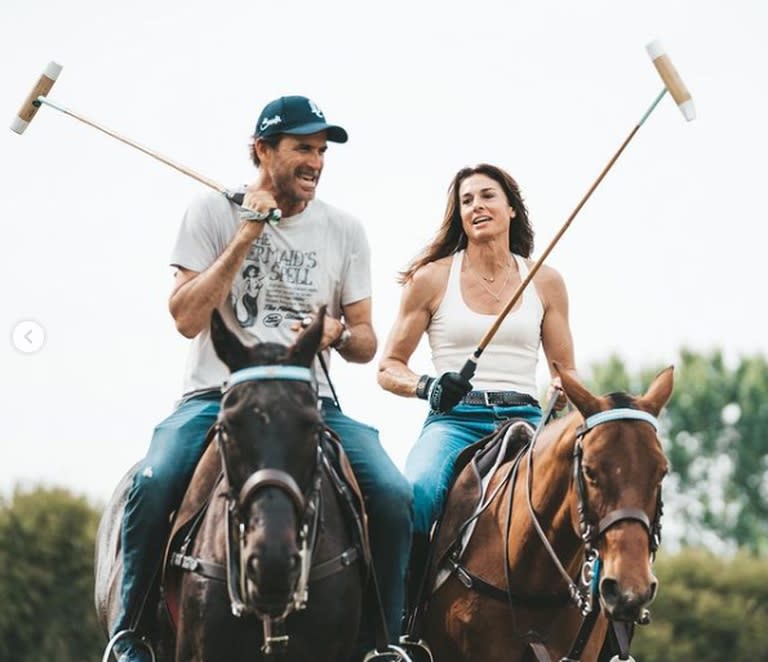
{"points": [[622, 603], [271, 579]]}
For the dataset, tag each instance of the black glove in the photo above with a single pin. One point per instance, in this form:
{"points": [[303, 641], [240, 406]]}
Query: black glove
{"points": [[445, 392]]}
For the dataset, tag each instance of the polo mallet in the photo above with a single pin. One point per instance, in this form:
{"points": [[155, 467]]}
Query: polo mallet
{"points": [[672, 84], [39, 97]]}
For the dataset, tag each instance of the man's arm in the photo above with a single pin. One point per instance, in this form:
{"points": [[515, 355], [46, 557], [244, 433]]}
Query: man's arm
{"points": [[362, 343], [196, 294]]}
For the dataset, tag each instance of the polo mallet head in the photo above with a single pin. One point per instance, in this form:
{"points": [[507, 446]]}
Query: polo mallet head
{"points": [[671, 78], [32, 105], [38, 97]]}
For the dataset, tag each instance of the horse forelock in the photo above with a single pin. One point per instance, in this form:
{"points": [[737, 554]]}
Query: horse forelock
{"points": [[267, 353], [619, 400]]}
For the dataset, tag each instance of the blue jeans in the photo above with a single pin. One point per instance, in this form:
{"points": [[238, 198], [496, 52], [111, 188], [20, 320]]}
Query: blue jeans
{"points": [[177, 445], [157, 490], [388, 499], [429, 466]]}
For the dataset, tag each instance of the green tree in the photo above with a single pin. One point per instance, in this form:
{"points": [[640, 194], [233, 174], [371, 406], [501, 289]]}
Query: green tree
{"points": [[714, 433], [708, 609], [46, 578]]}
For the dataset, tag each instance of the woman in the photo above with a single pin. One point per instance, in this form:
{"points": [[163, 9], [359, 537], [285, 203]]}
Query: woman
{"points": [[453, 291]]}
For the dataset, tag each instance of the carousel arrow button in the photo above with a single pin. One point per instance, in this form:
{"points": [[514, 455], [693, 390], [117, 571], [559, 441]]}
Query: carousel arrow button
{"points": [[28, 336]]}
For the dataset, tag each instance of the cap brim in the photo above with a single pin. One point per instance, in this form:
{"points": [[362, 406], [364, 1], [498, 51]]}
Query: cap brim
{"points": [[334, 133]]}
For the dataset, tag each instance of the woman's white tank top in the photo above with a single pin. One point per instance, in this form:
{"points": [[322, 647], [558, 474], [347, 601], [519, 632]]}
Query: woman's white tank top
{"points": [[509, 361]]}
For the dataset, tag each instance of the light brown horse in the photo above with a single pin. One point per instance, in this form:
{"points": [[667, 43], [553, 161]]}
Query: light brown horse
{"points": [[571, 523]]}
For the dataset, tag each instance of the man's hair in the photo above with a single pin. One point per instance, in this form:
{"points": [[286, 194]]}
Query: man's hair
{"points": [[451, 238], [269, 141]]}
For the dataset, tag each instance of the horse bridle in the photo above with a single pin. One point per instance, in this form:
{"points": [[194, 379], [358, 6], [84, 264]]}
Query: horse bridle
{"points": [[583, 595], [306, 505], [589, 533]]}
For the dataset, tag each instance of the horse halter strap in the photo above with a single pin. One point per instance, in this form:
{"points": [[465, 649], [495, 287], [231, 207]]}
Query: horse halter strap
{"points": [[618, 414], [273, 478], [589, 534]]}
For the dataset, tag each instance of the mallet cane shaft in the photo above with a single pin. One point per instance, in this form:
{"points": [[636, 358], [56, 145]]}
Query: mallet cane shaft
{"points": [[38, 97], [675, 86]]}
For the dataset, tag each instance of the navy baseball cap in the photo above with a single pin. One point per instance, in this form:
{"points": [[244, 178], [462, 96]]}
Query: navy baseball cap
{"points": [[297, 116]]}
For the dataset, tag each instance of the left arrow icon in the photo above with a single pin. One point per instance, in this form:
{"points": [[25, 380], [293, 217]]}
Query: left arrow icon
{"points": [[28, 336]]}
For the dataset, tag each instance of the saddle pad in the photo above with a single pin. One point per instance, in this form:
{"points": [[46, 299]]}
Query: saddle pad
{"points": [[474, 468]]}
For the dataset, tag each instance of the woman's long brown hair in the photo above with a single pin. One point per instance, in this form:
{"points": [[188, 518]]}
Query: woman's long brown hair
{"points": [[451, 238]]}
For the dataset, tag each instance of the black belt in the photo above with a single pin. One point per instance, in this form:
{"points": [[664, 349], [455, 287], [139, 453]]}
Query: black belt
{"points": [[501, 398]]}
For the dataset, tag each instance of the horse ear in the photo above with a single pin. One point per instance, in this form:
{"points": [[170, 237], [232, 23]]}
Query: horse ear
{"points": [[658, 392], [577, 393], [307, 344], [227, 345]]}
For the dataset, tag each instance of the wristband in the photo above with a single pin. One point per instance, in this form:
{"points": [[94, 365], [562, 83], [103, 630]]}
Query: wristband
{"points": [[272, 216], [422, 387], [343, 338]]}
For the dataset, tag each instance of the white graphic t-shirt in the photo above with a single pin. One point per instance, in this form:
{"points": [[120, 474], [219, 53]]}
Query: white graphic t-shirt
{"points": [[320, 256]]}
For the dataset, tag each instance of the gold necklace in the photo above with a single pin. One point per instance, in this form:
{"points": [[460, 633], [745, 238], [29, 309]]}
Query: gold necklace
{"points": [[482, 279]]}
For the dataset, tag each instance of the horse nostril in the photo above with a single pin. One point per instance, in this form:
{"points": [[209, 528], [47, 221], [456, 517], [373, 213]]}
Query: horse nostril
{"points": [[609, 589]]}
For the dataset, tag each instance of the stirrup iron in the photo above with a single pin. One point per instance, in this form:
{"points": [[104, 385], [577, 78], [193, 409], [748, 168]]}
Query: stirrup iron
{"points": [[419, 645], [125, 634], [402, 655]]}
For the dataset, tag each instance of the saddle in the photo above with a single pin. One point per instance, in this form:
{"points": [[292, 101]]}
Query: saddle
{"points": [[202, 488], [473, 471]]}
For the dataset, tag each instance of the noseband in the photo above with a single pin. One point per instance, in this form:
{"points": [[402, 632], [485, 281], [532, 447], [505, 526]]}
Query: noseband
{"points": [[306, 506]]}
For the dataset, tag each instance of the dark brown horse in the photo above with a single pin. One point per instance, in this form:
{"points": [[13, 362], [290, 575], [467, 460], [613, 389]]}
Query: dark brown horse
{"points": [[563, 540], [264, 559]]}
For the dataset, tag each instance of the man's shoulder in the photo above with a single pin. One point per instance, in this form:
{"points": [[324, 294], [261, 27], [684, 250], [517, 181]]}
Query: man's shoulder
{"points": [[211, 200], [335, 215], [209, 206]]}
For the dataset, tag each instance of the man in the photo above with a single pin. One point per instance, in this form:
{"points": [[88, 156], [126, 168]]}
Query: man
{"points": [[315, 255]]}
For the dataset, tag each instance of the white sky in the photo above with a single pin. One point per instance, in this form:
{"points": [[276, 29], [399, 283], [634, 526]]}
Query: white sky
{"points": [[666, 253]]}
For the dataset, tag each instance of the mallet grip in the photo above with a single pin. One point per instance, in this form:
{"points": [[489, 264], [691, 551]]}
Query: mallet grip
{"points": [[31, 105]]}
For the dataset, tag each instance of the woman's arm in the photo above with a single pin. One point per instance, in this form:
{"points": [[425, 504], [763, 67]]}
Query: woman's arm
{"points": [[418, 302], [556, 339]]}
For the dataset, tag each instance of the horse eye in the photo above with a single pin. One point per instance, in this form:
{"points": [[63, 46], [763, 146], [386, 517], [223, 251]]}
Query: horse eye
{"points": [[589, 474], [224, 432]]}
